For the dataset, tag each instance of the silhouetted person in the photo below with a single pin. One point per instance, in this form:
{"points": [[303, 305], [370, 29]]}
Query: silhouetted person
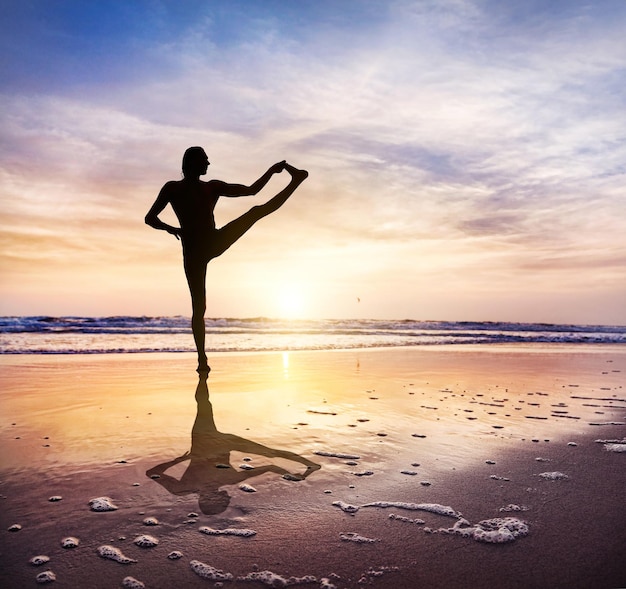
{"points": [[209, 457], [193, 201]]}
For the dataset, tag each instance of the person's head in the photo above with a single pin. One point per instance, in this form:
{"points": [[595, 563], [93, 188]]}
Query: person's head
{"points": [[212, 502], [195, 162]]}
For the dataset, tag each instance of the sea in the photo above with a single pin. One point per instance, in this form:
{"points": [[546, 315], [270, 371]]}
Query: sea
{"points": [[125, 334]]}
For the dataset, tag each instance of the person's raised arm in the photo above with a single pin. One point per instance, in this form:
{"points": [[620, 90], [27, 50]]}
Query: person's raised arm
{"points": [[226, 189], [152, 218]]}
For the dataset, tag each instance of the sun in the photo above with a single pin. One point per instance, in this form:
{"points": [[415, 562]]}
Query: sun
{"points": [[291, 301]]}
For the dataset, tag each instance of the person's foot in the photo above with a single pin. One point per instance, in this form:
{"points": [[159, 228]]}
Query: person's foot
{"points": [[299, 175], [203, 366]]}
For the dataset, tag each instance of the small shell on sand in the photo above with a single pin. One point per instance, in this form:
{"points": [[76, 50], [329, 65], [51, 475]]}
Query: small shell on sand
{"points": [[115, 554], [145, 541], [132, 583], [102, 504], [70, 542], [151, 521], [46, 577], [247, 488], [39, 560], [175, 555], [14, 528], [206, 571]]}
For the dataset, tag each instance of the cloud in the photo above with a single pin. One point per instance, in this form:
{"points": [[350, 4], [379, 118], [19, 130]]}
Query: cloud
{"points": [[492, 133]]}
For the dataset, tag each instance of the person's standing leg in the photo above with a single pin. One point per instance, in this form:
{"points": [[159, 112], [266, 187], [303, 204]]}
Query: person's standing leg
{"points": [[195, 270]]}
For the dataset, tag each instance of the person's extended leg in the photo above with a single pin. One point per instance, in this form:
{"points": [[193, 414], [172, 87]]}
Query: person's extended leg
{"points": [[232, 231], [195, 270]]}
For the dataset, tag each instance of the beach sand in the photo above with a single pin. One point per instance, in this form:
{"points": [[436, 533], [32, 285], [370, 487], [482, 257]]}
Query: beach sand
{"points": [[471, 429]]}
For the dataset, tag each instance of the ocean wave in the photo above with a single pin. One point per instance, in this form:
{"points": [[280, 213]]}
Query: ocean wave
{"points": [[128, 334]]}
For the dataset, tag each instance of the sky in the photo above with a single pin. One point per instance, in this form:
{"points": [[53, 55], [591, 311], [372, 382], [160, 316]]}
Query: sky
{"points": [[467, 158]]}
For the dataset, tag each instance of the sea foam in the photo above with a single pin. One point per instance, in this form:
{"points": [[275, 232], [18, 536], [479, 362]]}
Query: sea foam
{"points": [[431, 507], [113, 553], [407, 520], [346, 506], [227, 532], [132, 583], [70, 542], [145, 541], [46, 577], [272, 579], [553, 476], [102, 504], [206, 571], [491, 531], [615, 447], [175, 555], [354, 537]]}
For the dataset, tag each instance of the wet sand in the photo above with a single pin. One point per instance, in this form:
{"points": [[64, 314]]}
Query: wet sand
{"points": [[327, 469]]}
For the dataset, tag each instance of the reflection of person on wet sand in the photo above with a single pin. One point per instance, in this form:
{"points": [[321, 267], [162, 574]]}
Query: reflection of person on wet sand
{"points": [[210, 454], [193, 201]]}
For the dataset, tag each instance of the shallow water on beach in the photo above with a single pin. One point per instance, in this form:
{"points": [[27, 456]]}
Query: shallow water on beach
{"points": [[386, 426], [375, 404]]}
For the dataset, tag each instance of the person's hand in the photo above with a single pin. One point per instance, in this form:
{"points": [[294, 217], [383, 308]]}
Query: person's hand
{"points": [[175, 231], [311, 468], [278, 167]]}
